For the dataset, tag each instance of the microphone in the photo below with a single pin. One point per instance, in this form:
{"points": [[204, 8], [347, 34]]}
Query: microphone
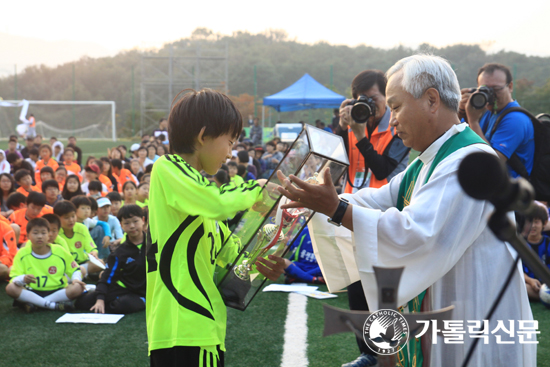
{"points": [[484, 176]]}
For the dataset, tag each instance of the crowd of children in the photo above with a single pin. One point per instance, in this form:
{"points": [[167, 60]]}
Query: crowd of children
{"points": [[66, 222]]}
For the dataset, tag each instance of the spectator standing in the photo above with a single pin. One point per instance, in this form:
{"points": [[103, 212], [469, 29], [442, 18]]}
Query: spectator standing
{"points": [[515, 134], [256, 133]]}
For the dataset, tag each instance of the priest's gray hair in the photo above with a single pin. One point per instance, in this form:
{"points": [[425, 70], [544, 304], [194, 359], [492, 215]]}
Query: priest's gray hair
{"points": [[421, 72]]}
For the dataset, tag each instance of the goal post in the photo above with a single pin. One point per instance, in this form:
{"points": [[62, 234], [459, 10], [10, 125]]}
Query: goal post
{"points": [[112, 104]]}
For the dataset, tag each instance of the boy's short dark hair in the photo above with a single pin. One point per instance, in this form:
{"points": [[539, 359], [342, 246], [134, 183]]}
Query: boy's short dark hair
{"points": [[195, 110], [47, 169], [12, 157], [232, 164], [95, 185], [33, 151], [243, 156], [143, 184], [539, 212], [52, 219], [15, 200], [93, 203], [271, 144], [49, 183], [224, 167], [222, 176], [20, 174], [114, 196], [116, 163], [129, 211], [37, 222], [36, 198], [148, 168], [241, 170], [490, 68], [64, 207], [80, 200]]}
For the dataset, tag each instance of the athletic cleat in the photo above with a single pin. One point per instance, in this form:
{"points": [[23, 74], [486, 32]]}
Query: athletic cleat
{"points": [[364, 360], [64, 306], [29, 307]]}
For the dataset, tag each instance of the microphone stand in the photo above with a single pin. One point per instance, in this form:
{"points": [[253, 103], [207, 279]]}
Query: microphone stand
{"points": [[505, 230]]}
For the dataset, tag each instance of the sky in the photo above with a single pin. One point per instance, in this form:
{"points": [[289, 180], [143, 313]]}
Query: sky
{"points": [[107, 27]]}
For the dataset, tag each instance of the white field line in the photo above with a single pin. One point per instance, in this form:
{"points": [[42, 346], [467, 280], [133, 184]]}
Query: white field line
{"points": [[295, 347]]}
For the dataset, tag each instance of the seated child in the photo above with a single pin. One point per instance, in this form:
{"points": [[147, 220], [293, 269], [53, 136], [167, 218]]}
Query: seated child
{"points": [[104, 215], [78, 237], [302, 266], [16, 201], [142, 198], [36, 207], [24, 180], [94, 189], [121, 288], [99, 230], [233, 173], [38, 273], [46, 173], [116, 202], [50, 188], [55, 225], [541, 245]]}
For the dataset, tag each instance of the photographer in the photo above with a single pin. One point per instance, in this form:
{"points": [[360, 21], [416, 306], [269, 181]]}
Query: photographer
{"points": [[515, 133], [375, 152]]}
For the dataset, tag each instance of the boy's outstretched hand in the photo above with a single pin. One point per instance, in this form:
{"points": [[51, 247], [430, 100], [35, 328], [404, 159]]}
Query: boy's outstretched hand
{"points": [[99, 306], [273, 269]]}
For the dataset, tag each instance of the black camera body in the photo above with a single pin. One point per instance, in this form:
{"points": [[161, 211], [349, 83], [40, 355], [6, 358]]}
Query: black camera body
{"points": [[481, 96], [362, 109]]}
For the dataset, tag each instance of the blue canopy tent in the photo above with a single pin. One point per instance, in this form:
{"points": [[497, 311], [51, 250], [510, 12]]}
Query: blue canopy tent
{"points": [[306, 93]]}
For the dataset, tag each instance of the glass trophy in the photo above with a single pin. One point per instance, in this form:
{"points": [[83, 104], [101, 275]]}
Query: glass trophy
{"points": [[266, 229]]}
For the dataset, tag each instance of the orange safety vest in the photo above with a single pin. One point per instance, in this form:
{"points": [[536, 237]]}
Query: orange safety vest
{"points": [[32, 121], [380, 139]]}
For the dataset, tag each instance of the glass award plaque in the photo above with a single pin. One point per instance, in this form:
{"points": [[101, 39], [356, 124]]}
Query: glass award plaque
{"points": [[267, 229]]}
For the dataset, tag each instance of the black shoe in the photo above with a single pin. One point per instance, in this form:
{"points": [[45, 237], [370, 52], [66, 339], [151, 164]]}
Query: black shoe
{"points": [[29, 307], [364, 360], [289, 280], [66, 306]]}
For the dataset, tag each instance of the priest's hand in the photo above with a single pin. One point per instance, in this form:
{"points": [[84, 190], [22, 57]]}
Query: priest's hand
{"points": [[320, 198]]}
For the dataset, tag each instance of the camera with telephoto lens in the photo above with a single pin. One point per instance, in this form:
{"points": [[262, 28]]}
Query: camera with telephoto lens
{"points": [[362, 109], [481, 96]]}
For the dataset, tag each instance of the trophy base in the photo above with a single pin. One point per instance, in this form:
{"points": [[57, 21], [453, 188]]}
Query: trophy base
{"points": [[234, 291]]}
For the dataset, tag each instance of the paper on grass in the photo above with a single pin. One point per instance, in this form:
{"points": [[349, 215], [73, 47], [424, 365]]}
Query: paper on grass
{"points": [[89, 318], [289, 288], [318, 294]]}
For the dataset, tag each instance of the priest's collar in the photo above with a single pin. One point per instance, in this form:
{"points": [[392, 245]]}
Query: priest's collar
{"points": [[429, 154]]}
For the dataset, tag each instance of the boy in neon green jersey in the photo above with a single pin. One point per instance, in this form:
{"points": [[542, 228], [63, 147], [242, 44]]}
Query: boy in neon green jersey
{"points": [[38, 272], [186, 316]]}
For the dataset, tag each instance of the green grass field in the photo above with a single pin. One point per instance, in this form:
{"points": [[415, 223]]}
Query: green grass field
{"points": [[255, 337]]}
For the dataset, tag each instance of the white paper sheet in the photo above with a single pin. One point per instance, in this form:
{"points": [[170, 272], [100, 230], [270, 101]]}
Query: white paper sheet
{"points": [[95, 261], [289, 288], [89, 318], [318, 294]]}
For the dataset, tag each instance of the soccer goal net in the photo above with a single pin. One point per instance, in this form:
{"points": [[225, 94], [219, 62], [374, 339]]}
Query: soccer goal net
{"points": [[83, 119]]}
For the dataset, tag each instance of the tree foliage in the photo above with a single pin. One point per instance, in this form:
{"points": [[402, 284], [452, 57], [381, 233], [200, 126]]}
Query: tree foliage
{"points": [[279, 61]]}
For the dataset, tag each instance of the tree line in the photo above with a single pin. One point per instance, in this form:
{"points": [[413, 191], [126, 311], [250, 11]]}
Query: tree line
{"points": [[279, 62]]}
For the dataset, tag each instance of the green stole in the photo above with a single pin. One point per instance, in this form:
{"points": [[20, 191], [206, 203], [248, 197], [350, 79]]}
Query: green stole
{"points": [[463, 139]]}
